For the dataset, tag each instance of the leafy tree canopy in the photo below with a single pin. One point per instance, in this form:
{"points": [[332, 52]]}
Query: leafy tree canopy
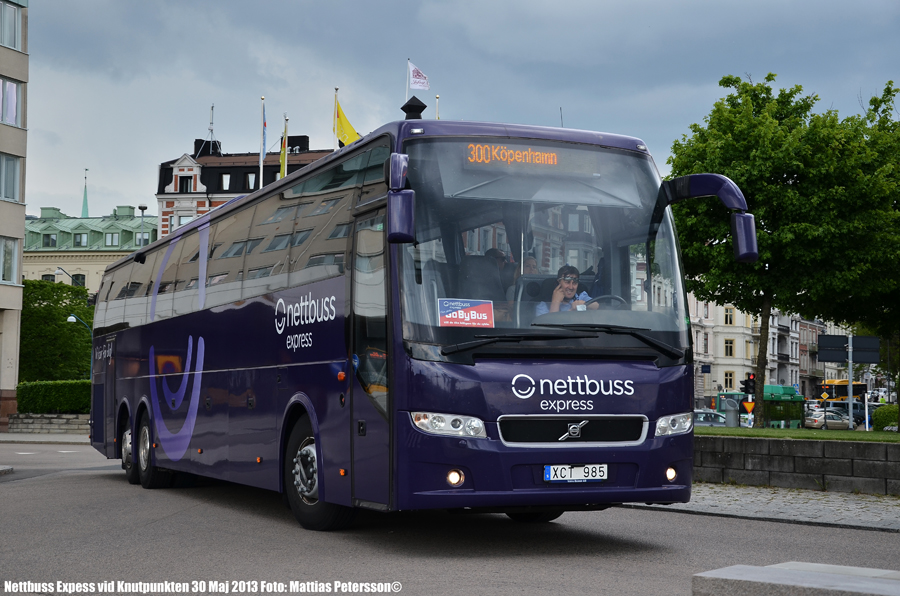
{"points": [[51, 348]]}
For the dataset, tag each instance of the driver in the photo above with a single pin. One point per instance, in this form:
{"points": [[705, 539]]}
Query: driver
{"points": [[565, 296]]}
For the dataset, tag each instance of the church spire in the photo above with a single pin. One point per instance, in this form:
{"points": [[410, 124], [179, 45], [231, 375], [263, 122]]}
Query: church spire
{"points": [[84, 208]]}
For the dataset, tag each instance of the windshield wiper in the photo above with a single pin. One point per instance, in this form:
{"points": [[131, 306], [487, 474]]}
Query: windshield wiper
{"points": [[512, 337], [670, 351]]}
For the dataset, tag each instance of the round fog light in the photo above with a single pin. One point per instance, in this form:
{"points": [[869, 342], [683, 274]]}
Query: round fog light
{"points": [[455, 477], [670, 474]]}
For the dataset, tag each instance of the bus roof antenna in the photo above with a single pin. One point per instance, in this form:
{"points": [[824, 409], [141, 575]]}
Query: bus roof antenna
{"points": [[413, 108]]}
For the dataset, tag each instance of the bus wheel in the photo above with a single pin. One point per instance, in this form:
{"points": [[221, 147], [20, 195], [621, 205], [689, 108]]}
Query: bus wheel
{"points": [[131, 470], [301, 483], [150, 475], [533, 517]]}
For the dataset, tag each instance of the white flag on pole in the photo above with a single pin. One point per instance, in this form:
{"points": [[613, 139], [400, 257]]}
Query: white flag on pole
{"points": [[417, 78]]}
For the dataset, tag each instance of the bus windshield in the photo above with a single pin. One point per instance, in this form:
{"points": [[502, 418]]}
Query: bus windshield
{"points": [[522, 236]]}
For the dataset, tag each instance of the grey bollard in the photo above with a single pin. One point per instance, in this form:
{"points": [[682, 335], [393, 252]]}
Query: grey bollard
{"points": [[732, 413]]}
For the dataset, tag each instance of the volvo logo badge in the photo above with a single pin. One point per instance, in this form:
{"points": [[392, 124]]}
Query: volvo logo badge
{"points": [[574, 430]]}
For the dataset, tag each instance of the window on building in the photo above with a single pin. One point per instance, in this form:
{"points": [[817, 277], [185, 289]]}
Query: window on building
{"points": [[729, 315], [79, 280], [729, 379], [706, 310], [300, 237], [143, 238], [9, 248], [10, 113], [225, 181], [340, 231], [706, 343], [49, 241], [111, 239], [250, 182], [729, 348], [79, 240], [48, 277], [185, 183], [183, 219], [9, 177], [10, 25]]}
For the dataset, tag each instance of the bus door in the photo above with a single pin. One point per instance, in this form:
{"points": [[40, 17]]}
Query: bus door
{"points": [[103, 397], [371, 470]]}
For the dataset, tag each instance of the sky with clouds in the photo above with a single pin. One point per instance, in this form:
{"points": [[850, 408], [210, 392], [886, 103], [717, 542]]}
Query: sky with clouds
{"points": [[119, 87]]}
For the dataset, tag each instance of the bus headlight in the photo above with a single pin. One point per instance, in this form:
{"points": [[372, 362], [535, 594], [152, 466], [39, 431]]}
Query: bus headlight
{"points": [[449, 424], [674, 425]]}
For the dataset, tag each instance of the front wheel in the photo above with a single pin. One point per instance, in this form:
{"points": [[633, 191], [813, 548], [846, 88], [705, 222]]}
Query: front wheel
{"points": [[301, 483], [150, 475], [533, 517]]}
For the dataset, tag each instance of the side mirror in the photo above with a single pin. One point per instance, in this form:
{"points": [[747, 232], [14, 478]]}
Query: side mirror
{"points": [[395, 169], [743, 224], [401, 216]]}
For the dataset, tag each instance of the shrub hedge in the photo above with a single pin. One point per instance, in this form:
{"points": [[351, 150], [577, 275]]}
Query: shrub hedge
{"points": [[54, 397], [884, 416]]}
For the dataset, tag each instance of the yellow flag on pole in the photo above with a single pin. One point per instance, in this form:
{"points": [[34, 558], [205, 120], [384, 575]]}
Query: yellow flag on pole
{"points": [[343, 130], [283, 159]]}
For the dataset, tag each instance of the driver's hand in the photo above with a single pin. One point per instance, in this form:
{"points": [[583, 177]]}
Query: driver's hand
{"points": [[577, 303], [558, 294]]}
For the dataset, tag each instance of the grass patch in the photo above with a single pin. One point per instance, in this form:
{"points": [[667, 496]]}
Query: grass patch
{"points": [[799, 433]]}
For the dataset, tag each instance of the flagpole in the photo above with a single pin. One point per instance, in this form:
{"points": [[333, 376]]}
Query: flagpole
{"points": [[437, 107], [334, 119], [407, 79], [262, 137]]}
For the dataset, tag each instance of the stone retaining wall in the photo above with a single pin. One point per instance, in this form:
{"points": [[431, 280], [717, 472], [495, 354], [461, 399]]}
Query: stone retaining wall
{"points": [[76, 424], [842, 466]]}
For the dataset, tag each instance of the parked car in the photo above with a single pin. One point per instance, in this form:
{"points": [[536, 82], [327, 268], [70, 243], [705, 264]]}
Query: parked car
{"points": [[818, 418], [708, 418]]}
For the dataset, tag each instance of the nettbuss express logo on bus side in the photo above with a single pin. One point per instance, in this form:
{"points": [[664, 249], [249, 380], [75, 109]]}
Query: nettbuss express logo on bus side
{"points": [[523, 387], [305, 312]]}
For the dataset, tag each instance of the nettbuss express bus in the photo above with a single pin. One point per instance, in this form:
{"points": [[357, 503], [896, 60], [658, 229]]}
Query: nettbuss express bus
{"points": [[341, 337]]}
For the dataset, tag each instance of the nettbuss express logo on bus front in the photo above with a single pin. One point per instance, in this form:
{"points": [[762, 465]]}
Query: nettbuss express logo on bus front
{"points": [[524, 387], [465, 313], [306, 311]]}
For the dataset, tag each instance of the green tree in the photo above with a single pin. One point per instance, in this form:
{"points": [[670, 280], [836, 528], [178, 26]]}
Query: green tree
{"points": [[821, 191], [51, 348]]}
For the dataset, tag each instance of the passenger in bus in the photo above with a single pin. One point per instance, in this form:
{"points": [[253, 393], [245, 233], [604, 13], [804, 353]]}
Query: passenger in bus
{"points": [[505, 267], [529, 267], [565, 296]]}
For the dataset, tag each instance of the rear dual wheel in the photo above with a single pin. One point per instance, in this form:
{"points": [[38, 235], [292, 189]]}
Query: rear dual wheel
{"points": [[128, 463]]}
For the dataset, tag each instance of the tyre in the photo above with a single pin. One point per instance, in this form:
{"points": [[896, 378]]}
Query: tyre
{"points": [[301, 483], [128, 463], [150, 475], [533, 517]]}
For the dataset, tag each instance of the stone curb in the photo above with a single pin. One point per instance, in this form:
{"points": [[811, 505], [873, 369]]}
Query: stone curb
{"points": [[780, 520]]}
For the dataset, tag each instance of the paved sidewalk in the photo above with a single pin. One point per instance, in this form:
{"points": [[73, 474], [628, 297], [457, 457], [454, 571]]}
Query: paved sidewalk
{"points": [[844, 510], [48, 438]]}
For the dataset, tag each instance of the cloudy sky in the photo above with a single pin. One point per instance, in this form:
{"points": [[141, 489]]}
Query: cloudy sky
{"points": [[119, 87]]}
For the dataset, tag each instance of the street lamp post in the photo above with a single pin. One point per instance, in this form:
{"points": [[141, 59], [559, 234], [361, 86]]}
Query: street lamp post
{"points": [[72, 318], [61, 271], [142, 208]]}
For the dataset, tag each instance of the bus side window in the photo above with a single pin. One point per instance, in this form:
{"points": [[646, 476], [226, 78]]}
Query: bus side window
{"points": [[373, 177], [167, 281], [115, 304], [137, 304], [186, 288], [225, 271], [266, 258]]}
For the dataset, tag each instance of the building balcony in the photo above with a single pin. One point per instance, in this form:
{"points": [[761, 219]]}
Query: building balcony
{"points": [[783, 357], [784, 329], [813, 348]]}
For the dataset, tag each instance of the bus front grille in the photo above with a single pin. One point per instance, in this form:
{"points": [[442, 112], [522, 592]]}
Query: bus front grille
{"points": [[568, 431]]}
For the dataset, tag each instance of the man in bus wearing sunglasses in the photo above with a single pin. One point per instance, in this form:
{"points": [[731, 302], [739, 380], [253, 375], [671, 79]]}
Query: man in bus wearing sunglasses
{"points": [[565, 296]]}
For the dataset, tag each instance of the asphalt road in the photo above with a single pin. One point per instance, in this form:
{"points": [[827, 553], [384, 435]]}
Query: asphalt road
{"points": [[68, 515]]}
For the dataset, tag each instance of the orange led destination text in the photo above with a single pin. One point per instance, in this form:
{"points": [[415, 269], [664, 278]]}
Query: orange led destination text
{"points": [[500, 153]]}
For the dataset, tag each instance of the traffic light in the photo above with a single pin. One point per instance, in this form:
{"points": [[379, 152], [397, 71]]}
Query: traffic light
{"points": [[748, 385]]}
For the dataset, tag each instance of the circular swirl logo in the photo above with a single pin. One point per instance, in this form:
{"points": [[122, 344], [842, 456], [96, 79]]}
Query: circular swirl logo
{"points": [[525, 389]]}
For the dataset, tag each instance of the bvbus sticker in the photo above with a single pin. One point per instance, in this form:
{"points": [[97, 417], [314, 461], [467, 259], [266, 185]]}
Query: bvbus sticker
{"points": [[453, 312]]}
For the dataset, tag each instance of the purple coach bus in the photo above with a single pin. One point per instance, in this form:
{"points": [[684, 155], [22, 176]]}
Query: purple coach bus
{"points": [[340, 335]]}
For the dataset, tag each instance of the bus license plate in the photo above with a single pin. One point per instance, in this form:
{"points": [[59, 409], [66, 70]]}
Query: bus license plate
{"points": [[575, 473]]}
